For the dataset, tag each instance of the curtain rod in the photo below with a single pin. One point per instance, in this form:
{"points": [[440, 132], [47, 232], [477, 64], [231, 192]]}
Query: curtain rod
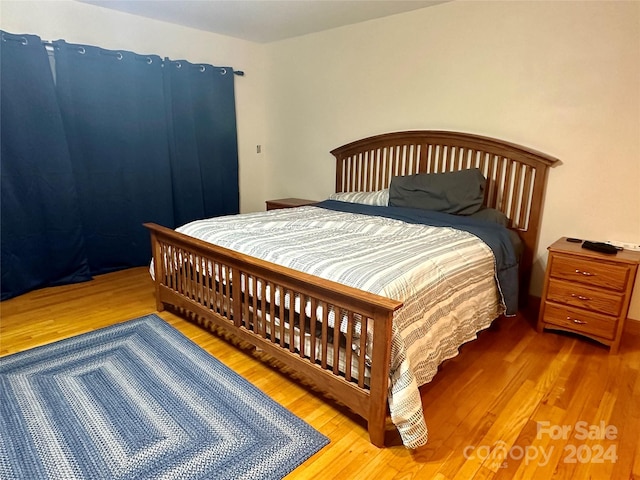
{"points": [[48, 45]]}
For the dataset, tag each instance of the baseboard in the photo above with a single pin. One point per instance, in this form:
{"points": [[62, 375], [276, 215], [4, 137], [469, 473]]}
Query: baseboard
{"points": [[632, 326]]}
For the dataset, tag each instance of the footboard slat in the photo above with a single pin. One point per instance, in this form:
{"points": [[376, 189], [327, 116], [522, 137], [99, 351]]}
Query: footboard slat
{"points": [[291, 315], [312, 327], [361, 358], [334, 336], [336, 354], [324, 337], [349, 341]]}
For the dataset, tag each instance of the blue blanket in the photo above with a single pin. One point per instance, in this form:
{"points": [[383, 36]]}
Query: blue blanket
{"points": [[494, 235]]}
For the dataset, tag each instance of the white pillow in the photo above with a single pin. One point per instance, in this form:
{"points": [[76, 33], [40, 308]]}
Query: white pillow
{"points": [[379, 198]]}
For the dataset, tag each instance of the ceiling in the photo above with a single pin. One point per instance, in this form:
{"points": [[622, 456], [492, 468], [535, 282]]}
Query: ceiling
{"points": [[264, 21]]}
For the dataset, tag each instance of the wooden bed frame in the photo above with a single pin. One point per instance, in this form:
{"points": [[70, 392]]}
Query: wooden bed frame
{"points": [[191, 275]]}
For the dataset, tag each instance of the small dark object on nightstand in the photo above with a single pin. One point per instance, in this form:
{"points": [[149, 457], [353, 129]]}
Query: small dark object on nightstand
{"points": [[600, 247]]}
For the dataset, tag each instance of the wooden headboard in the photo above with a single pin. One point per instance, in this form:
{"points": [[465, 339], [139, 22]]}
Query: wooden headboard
{"points": [[516, 175]]}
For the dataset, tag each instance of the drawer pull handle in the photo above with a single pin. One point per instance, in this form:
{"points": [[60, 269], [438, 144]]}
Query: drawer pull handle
{"points": [[576, 321], [586, 274], [580, 297]]}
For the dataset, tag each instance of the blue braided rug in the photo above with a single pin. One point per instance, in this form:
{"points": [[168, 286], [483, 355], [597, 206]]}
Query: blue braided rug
{"points": [[140, 400]]}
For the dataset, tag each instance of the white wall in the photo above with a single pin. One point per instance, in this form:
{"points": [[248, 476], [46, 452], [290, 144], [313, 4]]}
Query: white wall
{"points": [[561, 77], [82, 23]]}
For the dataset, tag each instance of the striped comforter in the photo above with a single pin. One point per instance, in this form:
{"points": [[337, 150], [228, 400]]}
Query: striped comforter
{"points": [[445, 277]]}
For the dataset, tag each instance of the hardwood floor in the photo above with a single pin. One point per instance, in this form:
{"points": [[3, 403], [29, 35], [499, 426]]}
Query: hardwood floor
{"points": [[513, 404]]}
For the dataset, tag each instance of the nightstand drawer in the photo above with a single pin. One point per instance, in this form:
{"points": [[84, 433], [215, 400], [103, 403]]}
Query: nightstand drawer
{"points": [[577, 295], [590, 272], [580, 321]]}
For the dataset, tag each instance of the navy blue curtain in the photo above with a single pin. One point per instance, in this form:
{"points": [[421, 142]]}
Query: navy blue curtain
{"points": [[112, 103], [41, 232], [114, 140], [203, 140]]}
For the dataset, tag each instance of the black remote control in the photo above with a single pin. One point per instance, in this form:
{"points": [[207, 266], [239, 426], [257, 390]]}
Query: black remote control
{"points": [[600, 247], [574, 240]]}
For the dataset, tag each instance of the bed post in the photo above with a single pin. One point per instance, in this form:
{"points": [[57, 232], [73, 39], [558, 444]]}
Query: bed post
{"points": [[156, 253], [381, 359]]}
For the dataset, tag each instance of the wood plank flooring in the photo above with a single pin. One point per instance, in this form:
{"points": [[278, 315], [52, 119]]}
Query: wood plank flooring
{"points": [[513, 404]]}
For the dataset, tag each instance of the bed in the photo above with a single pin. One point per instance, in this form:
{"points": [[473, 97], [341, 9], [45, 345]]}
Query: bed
{"points": [[355, 342]]}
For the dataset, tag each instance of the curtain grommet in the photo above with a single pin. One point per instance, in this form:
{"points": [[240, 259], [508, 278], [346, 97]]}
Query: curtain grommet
{"points": [[22, 40]]}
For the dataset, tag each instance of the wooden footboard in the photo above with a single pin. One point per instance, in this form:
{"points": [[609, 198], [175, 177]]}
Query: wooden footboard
{"points": [[307, 323]]}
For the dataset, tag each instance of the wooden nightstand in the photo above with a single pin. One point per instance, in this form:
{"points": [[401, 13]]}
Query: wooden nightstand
{"points": [[288, 203], [587, 292]]}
